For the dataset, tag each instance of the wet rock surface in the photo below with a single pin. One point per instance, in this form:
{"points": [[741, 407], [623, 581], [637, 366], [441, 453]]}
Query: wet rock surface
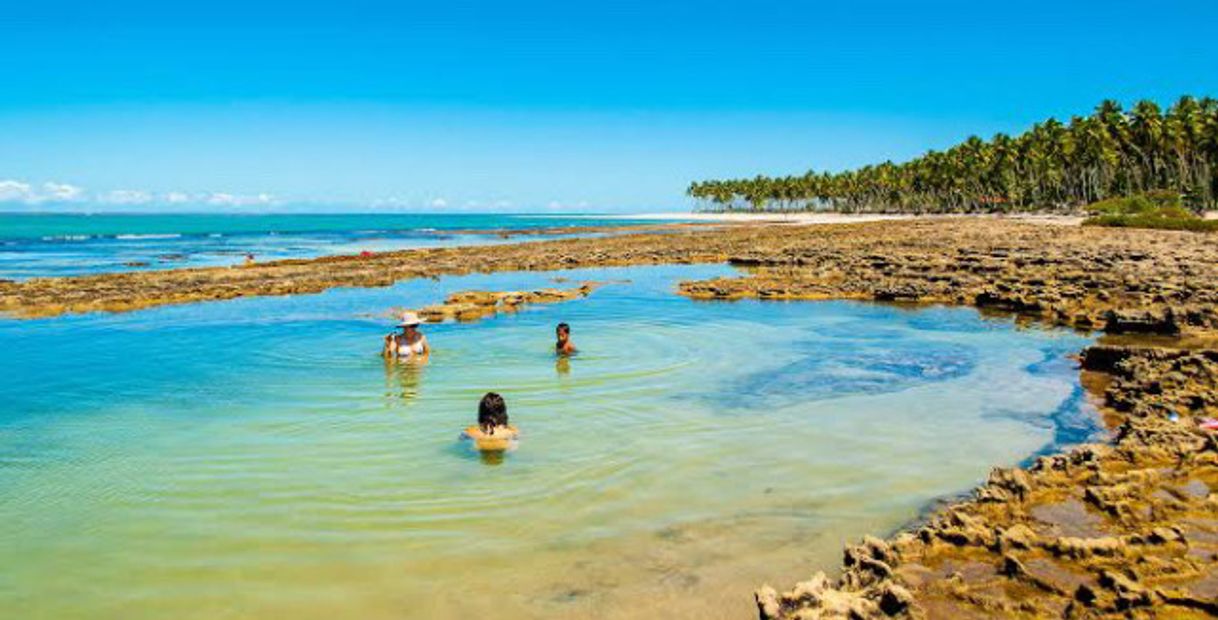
{"points": [[121, 292], [1075, 276], [1133, 283], [1126, 529], [473, 305]]}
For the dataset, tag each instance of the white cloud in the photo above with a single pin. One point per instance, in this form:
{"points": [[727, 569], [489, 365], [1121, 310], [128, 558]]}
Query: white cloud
{"points": [[15, 191], [392, 202], [21, 192], [223, 199], [439, 203], [124, 197], [568, 207], [62, 192], [18, 191]]}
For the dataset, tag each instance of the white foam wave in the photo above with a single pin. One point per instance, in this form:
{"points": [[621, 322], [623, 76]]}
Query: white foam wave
{"points": [[148, 236]]}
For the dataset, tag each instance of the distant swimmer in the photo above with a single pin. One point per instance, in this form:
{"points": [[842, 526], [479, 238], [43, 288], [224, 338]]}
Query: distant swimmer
{"points": [[493, 432], [249, 260], [411, 344], [564, 346]]}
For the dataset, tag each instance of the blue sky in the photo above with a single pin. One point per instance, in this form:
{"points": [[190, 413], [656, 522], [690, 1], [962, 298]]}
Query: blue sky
{"points": [[535, 106]]}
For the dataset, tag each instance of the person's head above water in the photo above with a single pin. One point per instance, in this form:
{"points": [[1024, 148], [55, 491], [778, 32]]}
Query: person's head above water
{"points": [[492, 412], [563, 346]]}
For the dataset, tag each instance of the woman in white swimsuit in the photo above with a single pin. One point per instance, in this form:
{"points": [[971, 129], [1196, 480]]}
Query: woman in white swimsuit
{"points": [[411, 344]]}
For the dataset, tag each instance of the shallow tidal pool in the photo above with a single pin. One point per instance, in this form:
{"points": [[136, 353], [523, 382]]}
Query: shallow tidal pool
{"points": [[256, 458]]}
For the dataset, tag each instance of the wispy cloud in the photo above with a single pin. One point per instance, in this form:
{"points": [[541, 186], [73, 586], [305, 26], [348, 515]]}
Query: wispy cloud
{"points": [[235, 200], [12, 191], [52, 193], [567, 206], [124, 197], [62, 192]]}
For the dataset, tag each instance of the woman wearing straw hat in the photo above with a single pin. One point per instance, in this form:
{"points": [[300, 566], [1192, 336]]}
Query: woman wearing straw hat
{"points": [[411, 344]]}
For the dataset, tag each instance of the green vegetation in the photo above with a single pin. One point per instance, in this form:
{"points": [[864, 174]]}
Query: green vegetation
{"points": [[1159, 209], [1051, 167]]}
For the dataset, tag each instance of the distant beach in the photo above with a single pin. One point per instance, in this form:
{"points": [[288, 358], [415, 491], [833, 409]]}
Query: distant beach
{"points": [[804, 218]]}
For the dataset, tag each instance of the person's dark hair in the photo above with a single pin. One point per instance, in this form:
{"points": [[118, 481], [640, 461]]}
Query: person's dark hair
{"points": [[563, 327], [492, 412]]}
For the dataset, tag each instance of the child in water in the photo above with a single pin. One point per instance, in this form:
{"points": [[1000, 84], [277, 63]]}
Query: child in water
{"points": [[564, 345], [492, 433]]}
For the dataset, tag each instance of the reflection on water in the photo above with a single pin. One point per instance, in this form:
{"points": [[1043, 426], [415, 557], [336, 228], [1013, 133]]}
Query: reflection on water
{"points": [[492, 457], [402, 378], [204, 461]]}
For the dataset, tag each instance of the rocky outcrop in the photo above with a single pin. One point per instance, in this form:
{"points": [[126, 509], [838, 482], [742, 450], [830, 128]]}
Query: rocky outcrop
{"points": [[1125, 284], [473, 305], [1127, 529], [1071, 276]]}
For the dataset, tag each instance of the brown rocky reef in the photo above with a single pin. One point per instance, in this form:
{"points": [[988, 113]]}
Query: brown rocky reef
{"points": [[1127, 529], [122, 292], [1064, 273], [1138, 282], [474, 305]]}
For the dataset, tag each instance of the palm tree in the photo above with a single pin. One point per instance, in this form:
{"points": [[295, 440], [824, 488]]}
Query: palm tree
{"points": [[1051, 166]]}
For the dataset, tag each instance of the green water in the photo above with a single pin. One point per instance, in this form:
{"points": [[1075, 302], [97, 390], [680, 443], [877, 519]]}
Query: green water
{"points": [[256, 459]]}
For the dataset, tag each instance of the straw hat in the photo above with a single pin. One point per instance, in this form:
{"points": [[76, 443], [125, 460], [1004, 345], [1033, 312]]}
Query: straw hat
{"points": [[409, 319]]}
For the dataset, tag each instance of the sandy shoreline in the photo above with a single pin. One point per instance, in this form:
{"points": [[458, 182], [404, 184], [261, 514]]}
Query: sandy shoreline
{"points": [[1126, 525], [843, 218]]}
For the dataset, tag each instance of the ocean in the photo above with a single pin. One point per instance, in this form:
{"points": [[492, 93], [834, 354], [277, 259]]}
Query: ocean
{"points": [[39, 245]]}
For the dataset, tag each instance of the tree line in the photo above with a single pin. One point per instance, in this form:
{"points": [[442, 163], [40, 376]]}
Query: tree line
{"points": [[1051, 167]]}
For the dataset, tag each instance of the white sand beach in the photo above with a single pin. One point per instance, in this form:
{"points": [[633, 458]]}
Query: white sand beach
{"points": [[841, 218]]}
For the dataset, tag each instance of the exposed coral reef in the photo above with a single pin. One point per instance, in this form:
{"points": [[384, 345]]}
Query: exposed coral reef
{"points": [[1075, 274], [474, 305], [1125, 529]]}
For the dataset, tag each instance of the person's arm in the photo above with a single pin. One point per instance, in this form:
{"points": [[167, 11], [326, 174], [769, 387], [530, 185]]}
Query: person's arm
{"points": [[390, 349], [426, 348]]}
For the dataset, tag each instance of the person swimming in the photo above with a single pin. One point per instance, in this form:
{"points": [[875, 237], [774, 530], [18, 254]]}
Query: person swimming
{"points": [[563, 346], [411, 344], [492, 432]]}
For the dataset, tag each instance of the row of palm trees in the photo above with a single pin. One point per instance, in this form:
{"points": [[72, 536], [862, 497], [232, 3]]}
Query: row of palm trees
{"points": [[1051, 167]]}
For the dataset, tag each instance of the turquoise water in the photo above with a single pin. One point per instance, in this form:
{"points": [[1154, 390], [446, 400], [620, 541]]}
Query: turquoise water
{"points": [[34, 245], [256, 458]]}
